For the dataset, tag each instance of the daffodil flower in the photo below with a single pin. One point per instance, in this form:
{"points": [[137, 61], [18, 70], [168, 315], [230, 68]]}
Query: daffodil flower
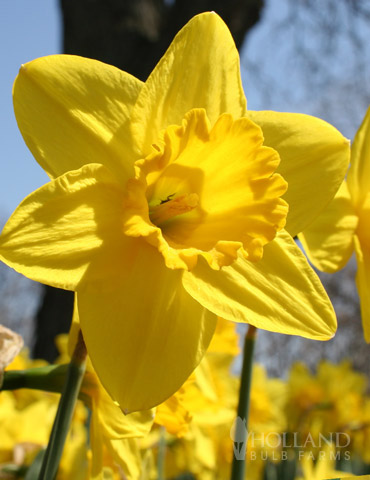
{"points": [[343, 227], [204, 445], [324, 468], [164, 208], [26, 418]]}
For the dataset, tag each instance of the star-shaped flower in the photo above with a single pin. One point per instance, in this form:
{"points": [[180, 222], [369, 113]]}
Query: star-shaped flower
{"points": [[164, 207]]}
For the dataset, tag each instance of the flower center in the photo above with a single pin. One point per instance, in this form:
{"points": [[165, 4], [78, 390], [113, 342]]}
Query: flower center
{"points": [[208, 191], [170, 208]]}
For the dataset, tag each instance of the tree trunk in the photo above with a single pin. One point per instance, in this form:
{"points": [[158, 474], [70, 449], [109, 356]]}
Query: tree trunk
{"points": [[133, 35], [53, 317]]}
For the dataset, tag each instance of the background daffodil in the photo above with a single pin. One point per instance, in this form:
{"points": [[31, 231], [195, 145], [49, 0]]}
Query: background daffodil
{"points": [[324, 468], [164, 209], [343, 227], [26, 418]]}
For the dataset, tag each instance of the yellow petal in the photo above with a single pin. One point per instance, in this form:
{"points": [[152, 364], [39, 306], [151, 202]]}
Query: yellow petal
{"points": [[65, 227], [225, 339], [173, 414], [328, 241], [111, 454], [96, 444], [115, 424], [199, 69], [359, 173], [144, 333], [126, 453], [314, 159], [363, 284], [280, 293], [363, 230], [72, 111]]}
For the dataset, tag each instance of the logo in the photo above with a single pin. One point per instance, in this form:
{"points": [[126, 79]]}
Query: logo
{"points": [[239, 435], [277, 443]]}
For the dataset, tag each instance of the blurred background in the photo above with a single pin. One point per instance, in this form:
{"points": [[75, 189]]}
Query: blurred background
{"points": [[308, 56]]}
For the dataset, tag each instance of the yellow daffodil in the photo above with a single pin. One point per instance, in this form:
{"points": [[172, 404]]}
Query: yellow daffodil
{"points": [[26, 419], [324, 468], [343, 227], [161, 204], [360, 436], [112, 435], [205, 448], [333, 400]]}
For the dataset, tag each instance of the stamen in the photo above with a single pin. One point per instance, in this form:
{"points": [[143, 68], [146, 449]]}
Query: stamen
{"points": [[171, 208]]}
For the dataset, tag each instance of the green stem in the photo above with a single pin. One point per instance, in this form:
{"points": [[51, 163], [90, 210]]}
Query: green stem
{"points": [[161, 453], [241, 425], [50, 378], [75, 373]]}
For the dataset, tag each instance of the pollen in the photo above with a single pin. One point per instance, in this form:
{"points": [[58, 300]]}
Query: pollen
{"points": [[174, 207]]}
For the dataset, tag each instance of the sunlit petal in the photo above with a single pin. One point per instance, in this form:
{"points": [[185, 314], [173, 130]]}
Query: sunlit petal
{"points": [[147, 328], [72, 111], [359, 173], [200, 69], [66, 226], [280, 293], [328, 241], [363, 284], [116, 425], [314, 159]]}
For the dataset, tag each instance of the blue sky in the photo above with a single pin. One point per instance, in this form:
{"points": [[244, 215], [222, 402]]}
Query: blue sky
{"points": [[28, 29], [310, 58]]}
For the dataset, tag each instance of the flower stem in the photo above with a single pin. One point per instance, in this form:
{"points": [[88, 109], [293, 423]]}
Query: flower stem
{"points": [[240, 436], [49, 378], [161, 453], [75, 373]]}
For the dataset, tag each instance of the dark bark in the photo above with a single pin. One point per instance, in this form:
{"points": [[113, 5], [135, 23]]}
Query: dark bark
{"points": [[53, 317], [132, 35]]}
